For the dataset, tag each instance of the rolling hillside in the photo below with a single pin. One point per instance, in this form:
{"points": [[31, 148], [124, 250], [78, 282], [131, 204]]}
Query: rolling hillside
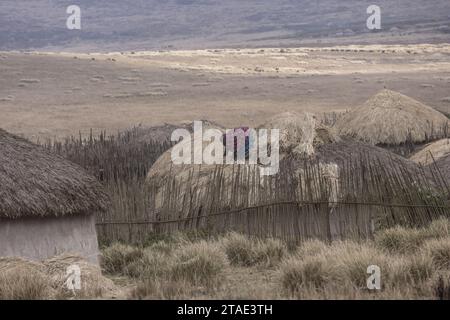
{"points": [[185, 24]]}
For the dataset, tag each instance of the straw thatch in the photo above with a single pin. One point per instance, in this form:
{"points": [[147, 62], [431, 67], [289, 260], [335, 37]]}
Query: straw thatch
{"points": [[162, 133], [432, 151], [34, 182], [391, 118], [300, 133]]}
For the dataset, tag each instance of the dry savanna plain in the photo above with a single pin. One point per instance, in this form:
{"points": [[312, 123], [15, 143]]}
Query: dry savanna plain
{"points": [[54, 95]]}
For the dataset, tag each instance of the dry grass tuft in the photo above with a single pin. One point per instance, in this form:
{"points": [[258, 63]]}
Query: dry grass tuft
{"points": [[239, 249], [161, 289], [19, 285], [151, 265], [441, 285], [439, 228], [198, 263], [412, 271], [400, 240], [341, 272], [299, 274], [311, 248], [117, 257], [93, 283], [439, 252], [243, 251], [23, 279], [351, 260]]}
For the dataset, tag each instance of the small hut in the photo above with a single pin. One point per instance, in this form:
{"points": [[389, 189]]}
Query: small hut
{"points": [[392, 120], [47, 204], [432, 152]]}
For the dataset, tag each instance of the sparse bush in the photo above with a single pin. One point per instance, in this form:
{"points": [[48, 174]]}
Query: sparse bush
{"points": [[198, 263], [20, 285], [116, 258]]}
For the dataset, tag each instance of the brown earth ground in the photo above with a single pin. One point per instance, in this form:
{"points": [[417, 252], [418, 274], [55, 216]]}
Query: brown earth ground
{"points": [[53, 95]]}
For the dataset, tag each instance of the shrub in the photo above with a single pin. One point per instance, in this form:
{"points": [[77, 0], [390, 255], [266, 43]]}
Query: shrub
{"points": [[198, 263], [116, 258]]}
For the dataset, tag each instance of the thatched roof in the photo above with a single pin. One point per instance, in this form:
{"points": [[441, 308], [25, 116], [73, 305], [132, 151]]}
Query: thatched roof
{"points": [[34, 182], [162, 133], [432, 151], [391, 118], [300, 133]]}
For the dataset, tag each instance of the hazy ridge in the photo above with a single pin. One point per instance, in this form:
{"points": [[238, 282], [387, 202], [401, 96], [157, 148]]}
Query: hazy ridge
{"points": [[157, 24]]}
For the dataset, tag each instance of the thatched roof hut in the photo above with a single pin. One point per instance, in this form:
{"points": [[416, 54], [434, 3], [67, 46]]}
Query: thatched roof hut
{"points": [[316, 168], [390, 119], [431, 152], [300, 133], [47, 203]]}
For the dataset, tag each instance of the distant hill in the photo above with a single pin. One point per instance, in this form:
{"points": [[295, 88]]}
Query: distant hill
{"points": [[161, 24]]}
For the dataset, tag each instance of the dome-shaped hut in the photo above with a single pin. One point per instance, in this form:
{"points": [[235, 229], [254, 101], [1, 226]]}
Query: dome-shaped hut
{"points": [[432, 152], [393, 120], [325, 187], [47, 204]]}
